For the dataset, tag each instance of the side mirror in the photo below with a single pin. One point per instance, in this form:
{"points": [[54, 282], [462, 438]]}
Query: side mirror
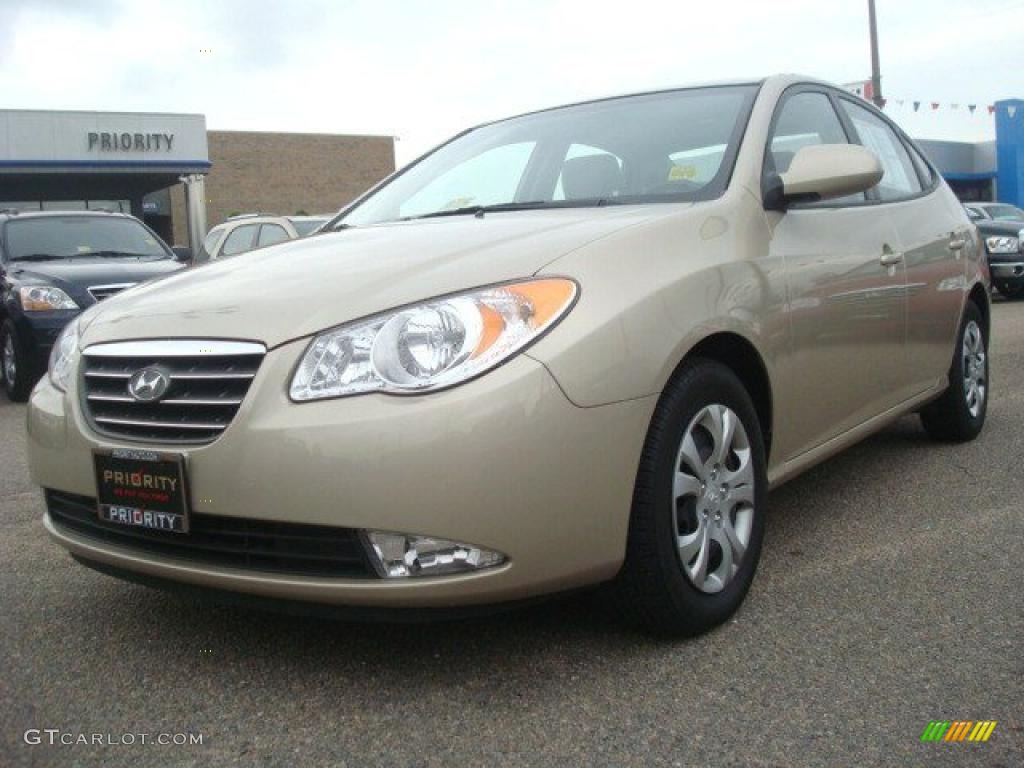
{"points": [[824, 171], [182, 253]]}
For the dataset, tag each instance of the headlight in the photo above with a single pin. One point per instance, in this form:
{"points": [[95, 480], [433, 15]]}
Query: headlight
{"points": [[44, 298], [433, 345], [1002, 244], [64, 355]]}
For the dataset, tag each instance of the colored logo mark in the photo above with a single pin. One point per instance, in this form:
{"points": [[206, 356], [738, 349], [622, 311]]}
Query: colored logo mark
{"points": [[958, 730]]}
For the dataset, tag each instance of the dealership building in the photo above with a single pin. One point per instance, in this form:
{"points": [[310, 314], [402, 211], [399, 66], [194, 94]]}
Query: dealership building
{"points": [[168, 170], [986, 170], [180, 178]]}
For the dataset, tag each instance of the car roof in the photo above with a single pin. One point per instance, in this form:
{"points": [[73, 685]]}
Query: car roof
{"points": [[779, 80], [7, 215], [253, 218]]}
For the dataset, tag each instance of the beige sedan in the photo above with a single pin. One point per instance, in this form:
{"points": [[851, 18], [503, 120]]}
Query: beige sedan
{"points": [[572, 347]]}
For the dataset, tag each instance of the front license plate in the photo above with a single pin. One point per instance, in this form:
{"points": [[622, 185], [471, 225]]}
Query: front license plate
{"points": [[141, 489]]}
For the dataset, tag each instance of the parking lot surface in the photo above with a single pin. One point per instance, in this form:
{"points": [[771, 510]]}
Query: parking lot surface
{"points": [[889, 595]]}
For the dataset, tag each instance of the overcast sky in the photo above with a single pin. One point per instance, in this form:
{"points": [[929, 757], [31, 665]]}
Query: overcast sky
{"points": [[423, 70]]}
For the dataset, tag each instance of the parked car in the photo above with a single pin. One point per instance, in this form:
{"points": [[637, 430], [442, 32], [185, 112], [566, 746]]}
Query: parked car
{"points": [[247, 231], [52, 266], [571, 347], [994, 212], [1003, 235], [307, 225]]}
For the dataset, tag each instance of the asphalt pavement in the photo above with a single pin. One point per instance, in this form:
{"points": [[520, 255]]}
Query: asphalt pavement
{"points": [[889, 595]]}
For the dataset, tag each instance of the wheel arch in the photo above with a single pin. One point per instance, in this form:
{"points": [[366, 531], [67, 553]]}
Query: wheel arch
{"points": [[742, 357], [980, 296]]}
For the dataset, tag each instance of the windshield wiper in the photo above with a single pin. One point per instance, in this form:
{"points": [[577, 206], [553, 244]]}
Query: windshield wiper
{"points": [[480, 210], [121, 255], [38, 257]]}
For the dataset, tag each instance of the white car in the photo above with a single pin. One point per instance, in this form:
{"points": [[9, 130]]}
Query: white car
{"points": [[255, 230]]}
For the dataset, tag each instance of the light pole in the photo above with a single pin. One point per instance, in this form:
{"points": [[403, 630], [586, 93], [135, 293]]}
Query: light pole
{"points": [[876, 75]]}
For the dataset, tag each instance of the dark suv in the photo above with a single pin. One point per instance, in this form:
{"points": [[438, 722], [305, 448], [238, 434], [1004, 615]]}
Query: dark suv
{"points": [[55, 264], [1002, 228]]}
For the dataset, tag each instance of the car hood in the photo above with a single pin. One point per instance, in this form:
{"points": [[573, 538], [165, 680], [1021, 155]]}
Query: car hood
{"points": [[1000, 228], [296, 289], [76, 276]]}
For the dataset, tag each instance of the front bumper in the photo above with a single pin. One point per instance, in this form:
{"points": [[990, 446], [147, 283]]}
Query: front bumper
{"points": [[504, 462], [1007, 268]]}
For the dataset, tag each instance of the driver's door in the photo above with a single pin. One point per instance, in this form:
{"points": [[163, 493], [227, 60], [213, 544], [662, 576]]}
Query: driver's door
{"points": [[845, 292]]}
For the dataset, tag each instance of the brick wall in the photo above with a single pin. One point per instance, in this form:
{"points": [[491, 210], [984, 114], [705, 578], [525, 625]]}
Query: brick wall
{"points": [[284, 173]]}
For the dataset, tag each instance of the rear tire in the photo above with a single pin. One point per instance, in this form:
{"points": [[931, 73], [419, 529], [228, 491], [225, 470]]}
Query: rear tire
{"points": [[15, 374], [959, 414], [697, 522]]}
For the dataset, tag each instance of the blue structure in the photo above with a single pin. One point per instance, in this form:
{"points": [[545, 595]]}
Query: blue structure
{"points": [[985, 170], [1010, 151]]}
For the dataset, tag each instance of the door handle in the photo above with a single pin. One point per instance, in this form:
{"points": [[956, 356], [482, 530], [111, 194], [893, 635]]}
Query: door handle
{"points": [[890, 258], [957, 244]]}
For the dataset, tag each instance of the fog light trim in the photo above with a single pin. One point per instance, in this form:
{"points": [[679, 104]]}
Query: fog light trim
{"points": [[409, 556]]}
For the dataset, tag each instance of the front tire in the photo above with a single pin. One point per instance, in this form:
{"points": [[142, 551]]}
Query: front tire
{"points": [[1010, 291], [697, 522], [14, 364], [959, 414]]}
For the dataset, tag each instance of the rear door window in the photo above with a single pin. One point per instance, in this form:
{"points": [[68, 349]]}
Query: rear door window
{"points": [[272, 233], [239, 240]]}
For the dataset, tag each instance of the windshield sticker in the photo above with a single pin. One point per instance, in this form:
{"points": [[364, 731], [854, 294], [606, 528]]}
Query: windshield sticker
{"points": [[682, 172]]}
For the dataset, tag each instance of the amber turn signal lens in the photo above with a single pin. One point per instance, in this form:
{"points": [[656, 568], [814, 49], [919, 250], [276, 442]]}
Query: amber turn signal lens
{"points": [[547, 298]]}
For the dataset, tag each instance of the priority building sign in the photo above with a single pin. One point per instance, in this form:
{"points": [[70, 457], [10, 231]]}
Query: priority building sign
{"points": [[174, 174], [93, 143], [125, 142], [102, 159]]}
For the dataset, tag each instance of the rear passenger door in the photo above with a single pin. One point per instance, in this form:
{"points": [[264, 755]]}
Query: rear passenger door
{"points": [[845, 289], [929, 226]]}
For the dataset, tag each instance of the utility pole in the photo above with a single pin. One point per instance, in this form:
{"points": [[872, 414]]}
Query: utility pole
{"points": [[876, 75]]}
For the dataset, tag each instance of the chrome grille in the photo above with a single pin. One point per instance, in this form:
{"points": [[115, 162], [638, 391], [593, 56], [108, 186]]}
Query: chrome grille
{"points": [[208, 382], [101, 292]]}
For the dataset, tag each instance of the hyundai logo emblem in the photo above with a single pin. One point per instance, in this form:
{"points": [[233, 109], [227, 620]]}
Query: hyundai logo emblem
{"points": [[148, 385]]}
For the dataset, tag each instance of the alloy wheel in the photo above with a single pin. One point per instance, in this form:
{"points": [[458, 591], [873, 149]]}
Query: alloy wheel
{"points": [[10, 365], [713, 498], [974, 368]]}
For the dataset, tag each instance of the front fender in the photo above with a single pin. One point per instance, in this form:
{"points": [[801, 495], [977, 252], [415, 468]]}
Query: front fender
{"points": [[650, 294]]}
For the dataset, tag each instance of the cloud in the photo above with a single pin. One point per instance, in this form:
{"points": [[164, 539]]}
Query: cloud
{"points": [[424, 70]]}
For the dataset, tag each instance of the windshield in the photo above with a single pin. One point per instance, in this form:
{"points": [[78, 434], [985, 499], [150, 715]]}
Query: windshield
{"points": [[64, 237], [659, 147], [211, 238], [304, 226], [1005, 213]]}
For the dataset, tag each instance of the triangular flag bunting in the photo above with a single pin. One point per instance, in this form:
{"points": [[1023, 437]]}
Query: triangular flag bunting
{"points": [[972, 107], [899, 102], [1011, 111], [917, 105], [935, 105], [991, 109], [882, 103], [954, 106]]}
